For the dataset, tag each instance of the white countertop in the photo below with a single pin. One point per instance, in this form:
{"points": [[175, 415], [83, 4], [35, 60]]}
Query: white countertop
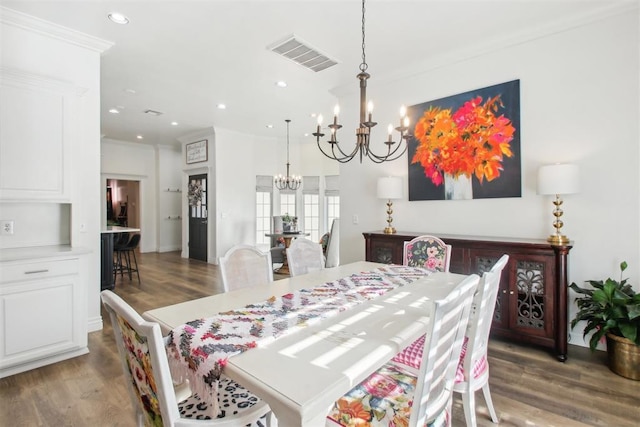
{"points": [[17, 254], [118, 229]]}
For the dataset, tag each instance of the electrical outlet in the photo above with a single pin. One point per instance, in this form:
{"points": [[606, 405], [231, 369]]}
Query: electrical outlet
{"points": [[6, 227], [355, 219]]}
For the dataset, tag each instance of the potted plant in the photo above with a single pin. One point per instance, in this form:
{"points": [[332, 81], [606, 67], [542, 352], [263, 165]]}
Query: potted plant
{"points": [[612, 309], [289, 223]]}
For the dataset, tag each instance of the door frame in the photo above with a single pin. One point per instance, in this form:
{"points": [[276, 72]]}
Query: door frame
{"points": [[141, 179]]}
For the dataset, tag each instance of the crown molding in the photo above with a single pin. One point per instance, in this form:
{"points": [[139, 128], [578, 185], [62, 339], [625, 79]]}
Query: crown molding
{"points": [[46, 28]]}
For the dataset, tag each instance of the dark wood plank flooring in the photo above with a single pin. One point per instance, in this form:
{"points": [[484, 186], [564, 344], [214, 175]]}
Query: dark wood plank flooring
{"points": [[529, 387]]}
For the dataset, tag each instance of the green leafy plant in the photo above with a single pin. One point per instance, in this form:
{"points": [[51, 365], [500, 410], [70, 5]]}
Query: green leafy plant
{"points": [[608, 307]]}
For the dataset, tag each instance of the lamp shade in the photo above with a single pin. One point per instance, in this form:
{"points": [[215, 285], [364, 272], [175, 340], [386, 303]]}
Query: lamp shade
{"points": [[390, 187], [560, 178]]}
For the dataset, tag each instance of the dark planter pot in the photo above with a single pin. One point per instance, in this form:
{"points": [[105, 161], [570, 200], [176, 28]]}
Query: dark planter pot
{"points": [[624, 357]]}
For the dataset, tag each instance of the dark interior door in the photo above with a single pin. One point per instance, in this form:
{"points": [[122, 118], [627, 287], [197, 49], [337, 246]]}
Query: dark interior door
{"points": [[198, 215]]}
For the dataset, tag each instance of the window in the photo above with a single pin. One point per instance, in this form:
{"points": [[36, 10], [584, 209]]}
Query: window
{"points": [[288, 203], [331, 199], [263, 210], [311, 206]]}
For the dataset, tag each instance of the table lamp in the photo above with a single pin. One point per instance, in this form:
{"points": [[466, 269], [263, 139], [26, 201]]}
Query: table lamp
{"points": [[559, 178], [389, 188]]}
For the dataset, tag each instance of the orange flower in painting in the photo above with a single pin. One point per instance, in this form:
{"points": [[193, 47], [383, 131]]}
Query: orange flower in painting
{"points": [[352, 413], [471, 141]]}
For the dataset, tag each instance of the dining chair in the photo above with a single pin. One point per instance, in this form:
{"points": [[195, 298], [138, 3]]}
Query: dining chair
{"points": [[333, 245], [155, 400], [304, 256], [397, 396], [427, 252], [473, 367], [243, 266]]}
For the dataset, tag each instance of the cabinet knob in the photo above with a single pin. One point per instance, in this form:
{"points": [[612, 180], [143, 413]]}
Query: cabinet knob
{"points": [[504, 291], [511, 292]]}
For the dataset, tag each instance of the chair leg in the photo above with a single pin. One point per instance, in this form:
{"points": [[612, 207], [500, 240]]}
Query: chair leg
{"points": [[487, 399], [135, 260], [469, 405], [128, 261]]}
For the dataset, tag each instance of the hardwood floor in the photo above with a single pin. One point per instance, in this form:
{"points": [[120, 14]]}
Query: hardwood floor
{"points": [[529, 387]]}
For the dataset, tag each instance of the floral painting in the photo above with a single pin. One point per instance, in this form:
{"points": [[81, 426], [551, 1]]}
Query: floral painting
{"points": [[467, 146]]}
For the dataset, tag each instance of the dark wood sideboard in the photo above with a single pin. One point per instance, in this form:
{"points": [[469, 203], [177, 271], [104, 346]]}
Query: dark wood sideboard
{"points": [[532, 300]]}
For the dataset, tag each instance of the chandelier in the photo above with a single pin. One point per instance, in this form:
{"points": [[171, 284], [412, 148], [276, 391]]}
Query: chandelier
{"points": [[363, 131], [288, 182]]}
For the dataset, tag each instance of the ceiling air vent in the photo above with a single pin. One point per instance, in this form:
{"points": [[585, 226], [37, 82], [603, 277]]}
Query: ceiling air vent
{"points": [[299, 51], [152, 112]]}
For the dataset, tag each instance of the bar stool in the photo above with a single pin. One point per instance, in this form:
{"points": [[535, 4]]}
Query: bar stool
{"points": [[119, 243], [124, 256]]}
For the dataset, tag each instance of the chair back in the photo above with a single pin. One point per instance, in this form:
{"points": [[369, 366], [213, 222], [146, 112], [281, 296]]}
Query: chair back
{"points": [[427, 252], [243, 266], [304, 256], [333, 245], [484, 302], [133, 242], [144, 362], [441, 354]]}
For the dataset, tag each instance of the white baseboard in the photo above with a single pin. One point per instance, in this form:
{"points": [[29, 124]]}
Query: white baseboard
{"points": [[171, 248], [95, 324]]}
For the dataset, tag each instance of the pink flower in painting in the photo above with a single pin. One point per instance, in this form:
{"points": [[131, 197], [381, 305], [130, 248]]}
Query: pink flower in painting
{"points": [[380, 385]]}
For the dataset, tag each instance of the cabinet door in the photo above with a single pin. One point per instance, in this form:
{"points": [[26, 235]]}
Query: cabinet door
{"points": [[384, 251], [36, 135], [38, 318], [531, 295], [483, 260]]}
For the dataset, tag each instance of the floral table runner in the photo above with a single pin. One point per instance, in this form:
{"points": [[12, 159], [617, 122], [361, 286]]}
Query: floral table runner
{"points": [[198, 350]]}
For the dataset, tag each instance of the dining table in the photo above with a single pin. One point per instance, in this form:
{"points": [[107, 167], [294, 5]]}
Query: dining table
{"points": [[301, 374]]}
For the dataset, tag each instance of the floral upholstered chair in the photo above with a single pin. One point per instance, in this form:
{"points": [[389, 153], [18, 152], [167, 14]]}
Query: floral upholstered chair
{"points": [[427, 252], [155, 399], [397, 396]]}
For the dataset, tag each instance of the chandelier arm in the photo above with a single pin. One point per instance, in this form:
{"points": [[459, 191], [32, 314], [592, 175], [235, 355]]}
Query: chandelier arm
{"points": [[332, 156], [391, 154]]}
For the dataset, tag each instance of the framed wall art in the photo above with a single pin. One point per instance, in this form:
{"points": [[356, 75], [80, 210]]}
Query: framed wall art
{"points": [[197, 151], [466, 146]]}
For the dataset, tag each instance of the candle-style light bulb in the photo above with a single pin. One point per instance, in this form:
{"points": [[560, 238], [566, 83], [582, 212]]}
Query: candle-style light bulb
{"points": [[405, 122], [336, 111], [390, 131], [319, 123], [403, 111], [370, 109]]}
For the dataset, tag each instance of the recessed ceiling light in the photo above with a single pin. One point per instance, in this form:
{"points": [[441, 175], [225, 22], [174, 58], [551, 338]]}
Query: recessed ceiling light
{"points": [[306, 134], [130, 91], [270, 126], [313, 114], [114, 111], [222, 107], [118, 18], [174, 123], [139, 137], [281, 83]]}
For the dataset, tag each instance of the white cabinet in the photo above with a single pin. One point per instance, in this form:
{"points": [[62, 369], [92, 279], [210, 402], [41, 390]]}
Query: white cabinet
{"points": [[38, 127], [43, 315]]}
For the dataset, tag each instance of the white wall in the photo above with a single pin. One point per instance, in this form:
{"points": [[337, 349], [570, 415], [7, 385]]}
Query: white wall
{"points": [[134, 162], [579, 103], [170, 197]]}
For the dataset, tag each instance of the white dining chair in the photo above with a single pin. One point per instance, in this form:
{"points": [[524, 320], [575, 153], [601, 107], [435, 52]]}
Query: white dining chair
{"points": [[333, 245], [304, 256], [155, 400], [428, 252], [473, 367], [397, 396], [243, 266]]}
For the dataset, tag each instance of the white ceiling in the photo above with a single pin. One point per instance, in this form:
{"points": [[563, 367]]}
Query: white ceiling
{"points": [[182, 58]]}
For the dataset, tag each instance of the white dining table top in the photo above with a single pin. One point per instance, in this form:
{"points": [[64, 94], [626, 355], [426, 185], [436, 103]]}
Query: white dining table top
{"points": [[300, 375]]}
